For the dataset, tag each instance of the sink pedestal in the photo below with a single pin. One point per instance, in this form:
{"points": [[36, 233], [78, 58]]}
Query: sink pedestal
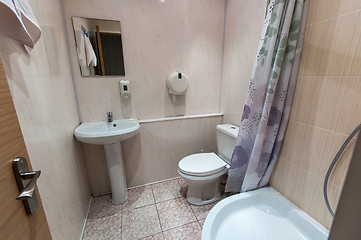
{"points": [[110, 134], [114, 158]]}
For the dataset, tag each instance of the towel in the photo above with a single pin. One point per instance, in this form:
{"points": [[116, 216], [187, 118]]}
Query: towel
{"points": [[81, 50], [18, 22], [91, 58]]}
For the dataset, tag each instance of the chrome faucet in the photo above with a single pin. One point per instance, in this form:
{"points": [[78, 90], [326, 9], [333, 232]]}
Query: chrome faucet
{"points": [[110, 116]]}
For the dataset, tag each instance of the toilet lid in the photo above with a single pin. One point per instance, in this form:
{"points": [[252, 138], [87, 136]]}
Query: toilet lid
{"points": [[201, 164]]}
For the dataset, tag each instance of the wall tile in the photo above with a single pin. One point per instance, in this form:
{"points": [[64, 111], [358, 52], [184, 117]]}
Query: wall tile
{"points": [[305, 182], [287, 143], [356, 53], [306, 45], [324, 9], [318, 208], [320, 95], [240, 49], [43, 96], [155, 152], [158, 38], [349, 111], [334, 143], [327, 108], [296, 98], [311, 11], [328, 51], [278, 180], [309, 147]]}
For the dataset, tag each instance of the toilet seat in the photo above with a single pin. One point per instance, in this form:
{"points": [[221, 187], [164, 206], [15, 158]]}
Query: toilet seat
{"points": [[201, 164]]}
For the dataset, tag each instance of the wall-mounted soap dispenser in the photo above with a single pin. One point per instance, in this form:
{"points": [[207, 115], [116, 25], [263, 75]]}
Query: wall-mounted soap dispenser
{"points": [[125, 88], [177, 83]]}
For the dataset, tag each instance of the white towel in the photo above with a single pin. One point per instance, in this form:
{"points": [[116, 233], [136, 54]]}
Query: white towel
{"points": [[81, 50], [18, 22], [91, 58]]}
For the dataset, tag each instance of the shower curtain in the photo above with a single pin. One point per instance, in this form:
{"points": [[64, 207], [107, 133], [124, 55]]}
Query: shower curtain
{"points": [[270, 92]]}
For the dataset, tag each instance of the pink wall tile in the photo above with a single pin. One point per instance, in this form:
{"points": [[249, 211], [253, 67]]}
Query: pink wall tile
{"points": [[158, 38], [42, 91], [244, 25]]}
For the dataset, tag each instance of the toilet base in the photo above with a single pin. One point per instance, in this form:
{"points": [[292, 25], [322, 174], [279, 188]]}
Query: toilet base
{"points": [[199, 202], [203, 190]]}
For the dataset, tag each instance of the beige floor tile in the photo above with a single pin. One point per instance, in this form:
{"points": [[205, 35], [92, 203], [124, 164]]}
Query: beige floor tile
{"points": [[174, 213], [190, 231], [158, 236], [139, 197], [140, 222], [102, 207], [201, 222], [201, 212], [166, 190]]}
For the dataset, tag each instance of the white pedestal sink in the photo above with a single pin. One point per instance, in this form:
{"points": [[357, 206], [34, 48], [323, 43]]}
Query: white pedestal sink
{"points": [[110, 134]]}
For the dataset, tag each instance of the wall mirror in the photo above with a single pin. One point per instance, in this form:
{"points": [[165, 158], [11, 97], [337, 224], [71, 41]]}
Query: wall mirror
{"points": [[99, 47]]}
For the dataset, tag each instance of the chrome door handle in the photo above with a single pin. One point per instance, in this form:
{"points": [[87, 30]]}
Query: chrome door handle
{"points": [[30, 187], [26, 181]]}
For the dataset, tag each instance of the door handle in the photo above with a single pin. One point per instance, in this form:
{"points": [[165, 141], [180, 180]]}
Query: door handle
{"points": [[30, 187], [26, 181]]}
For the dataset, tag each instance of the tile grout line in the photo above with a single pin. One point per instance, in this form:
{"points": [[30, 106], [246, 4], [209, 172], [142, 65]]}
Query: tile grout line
{"points": [[191, 208], [334, 17], [86, 218], [181, 226], [320, 128], [147, 205], [121, 219], [222, 57], [194, 214], [156, 208], [152, 183], [156, 205]]}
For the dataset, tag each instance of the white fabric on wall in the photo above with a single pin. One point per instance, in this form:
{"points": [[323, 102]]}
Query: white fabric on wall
{"points": [[18, 22]]}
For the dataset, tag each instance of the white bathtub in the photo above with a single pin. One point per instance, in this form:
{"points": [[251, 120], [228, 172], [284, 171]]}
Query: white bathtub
{"points": [[262, 214]]}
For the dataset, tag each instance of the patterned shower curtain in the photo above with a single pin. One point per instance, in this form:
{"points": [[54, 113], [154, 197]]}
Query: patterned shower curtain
{"points": [[271, 89]]}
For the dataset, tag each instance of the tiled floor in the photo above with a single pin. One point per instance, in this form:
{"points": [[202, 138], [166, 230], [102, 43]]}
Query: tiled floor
{"points": [[153, 212]]}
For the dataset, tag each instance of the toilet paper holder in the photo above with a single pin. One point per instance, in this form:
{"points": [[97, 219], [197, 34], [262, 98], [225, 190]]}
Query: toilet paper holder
{"points": [[177, 83]]}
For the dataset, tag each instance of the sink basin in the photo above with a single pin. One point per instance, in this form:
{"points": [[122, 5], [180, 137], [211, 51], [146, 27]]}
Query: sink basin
{"points": [[107, 132], [110, 134]]}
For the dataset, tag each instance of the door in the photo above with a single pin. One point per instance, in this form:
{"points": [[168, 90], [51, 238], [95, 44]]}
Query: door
{"points": [[14, 222]]}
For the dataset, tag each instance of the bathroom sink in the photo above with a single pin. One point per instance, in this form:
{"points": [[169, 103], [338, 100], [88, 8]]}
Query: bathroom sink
{"points": [[103, 133], [110, 134]]}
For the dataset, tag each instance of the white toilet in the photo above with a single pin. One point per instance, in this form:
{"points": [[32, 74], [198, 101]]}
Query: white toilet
{"points": [[203, 171]]}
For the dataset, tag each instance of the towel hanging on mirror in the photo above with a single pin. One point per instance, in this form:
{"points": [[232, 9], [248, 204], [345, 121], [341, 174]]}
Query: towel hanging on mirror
{"points": [[91, 58], [17, 21]]}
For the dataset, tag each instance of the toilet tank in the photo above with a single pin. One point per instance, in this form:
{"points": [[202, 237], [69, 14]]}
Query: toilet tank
{"points": [[226, 141]]}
